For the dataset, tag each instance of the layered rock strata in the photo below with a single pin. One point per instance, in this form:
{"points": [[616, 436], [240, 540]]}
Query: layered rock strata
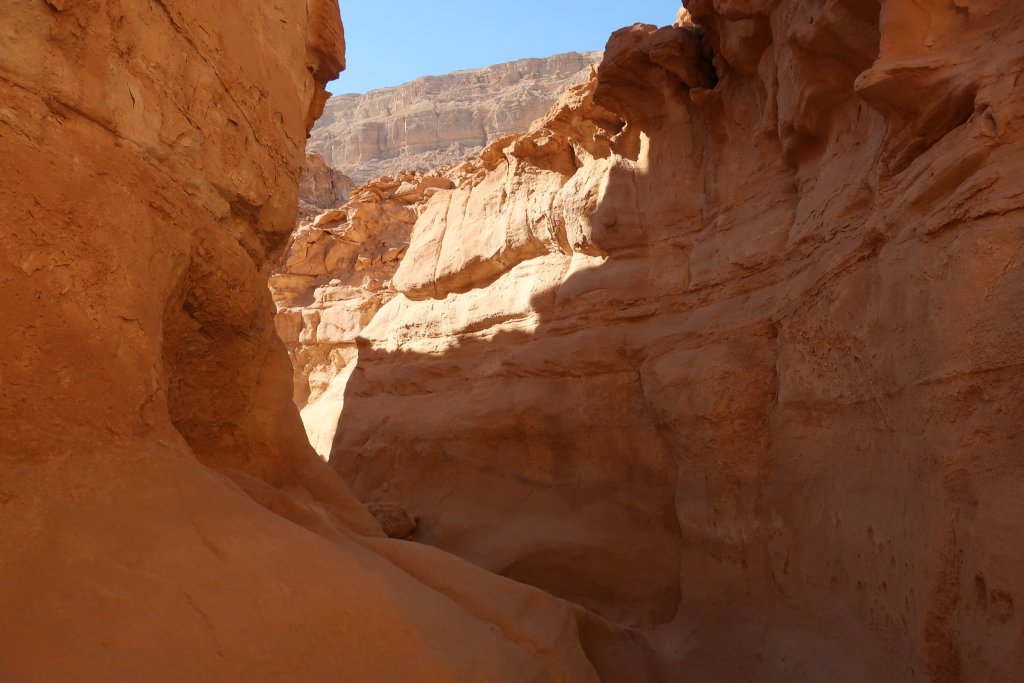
{"points": [[438, 120], [162, 517], [726, 349]]}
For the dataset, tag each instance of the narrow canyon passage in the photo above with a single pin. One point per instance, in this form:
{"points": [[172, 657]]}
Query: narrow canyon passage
{"points": [[677, 353], [710, 373]]}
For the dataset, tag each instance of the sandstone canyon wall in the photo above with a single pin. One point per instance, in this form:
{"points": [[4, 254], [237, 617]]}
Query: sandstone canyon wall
{"points": [[162, 517], [335, 274], [727, 348], [438, 120]]}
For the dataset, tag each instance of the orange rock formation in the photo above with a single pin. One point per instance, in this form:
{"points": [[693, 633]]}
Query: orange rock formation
{"points": [[162, 517], [727, 348], [718, 365], [333, 277]]}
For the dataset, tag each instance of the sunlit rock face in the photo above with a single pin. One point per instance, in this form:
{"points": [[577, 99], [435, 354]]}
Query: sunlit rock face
{"points": [[439, 120], [335, 274], [162, 517], [726, 348]]}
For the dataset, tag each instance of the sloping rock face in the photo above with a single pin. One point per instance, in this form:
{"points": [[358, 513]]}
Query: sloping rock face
{"points": [[333, 277], [162, 517], [321, 188], [438, 120], [727, 348]]}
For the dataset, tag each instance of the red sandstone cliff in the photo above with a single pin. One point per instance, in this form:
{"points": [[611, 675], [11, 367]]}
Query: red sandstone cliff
{"points": [[725, 352], [162, 517], [727, 348]]}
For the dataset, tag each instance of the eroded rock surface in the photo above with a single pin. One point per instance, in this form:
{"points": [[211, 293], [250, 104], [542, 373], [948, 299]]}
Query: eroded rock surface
{"points": [[727, 347], [438, 120], [162, 517], [334, 276], [396, 521]]}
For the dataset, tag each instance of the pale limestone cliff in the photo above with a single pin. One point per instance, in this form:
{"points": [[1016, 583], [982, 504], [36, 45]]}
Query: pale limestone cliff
{"points": [[439, 120], [726, 349]]}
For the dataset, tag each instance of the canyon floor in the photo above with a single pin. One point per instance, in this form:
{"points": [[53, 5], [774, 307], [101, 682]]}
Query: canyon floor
{"points": [[703, 364]]}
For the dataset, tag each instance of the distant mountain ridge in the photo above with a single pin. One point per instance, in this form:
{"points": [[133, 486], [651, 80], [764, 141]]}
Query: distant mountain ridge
{"points": [[435, 120]]}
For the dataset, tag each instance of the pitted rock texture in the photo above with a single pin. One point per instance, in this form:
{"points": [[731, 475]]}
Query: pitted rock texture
{"points": [[162, 517], [321, 188], [396, 521], [438, 120], [727, 348]]}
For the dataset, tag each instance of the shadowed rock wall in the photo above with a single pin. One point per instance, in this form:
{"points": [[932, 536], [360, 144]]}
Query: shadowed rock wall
{"points": [[321, 188]]}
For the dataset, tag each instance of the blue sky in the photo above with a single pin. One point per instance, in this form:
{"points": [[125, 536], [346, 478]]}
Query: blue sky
{"points": [[394, 41]]}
